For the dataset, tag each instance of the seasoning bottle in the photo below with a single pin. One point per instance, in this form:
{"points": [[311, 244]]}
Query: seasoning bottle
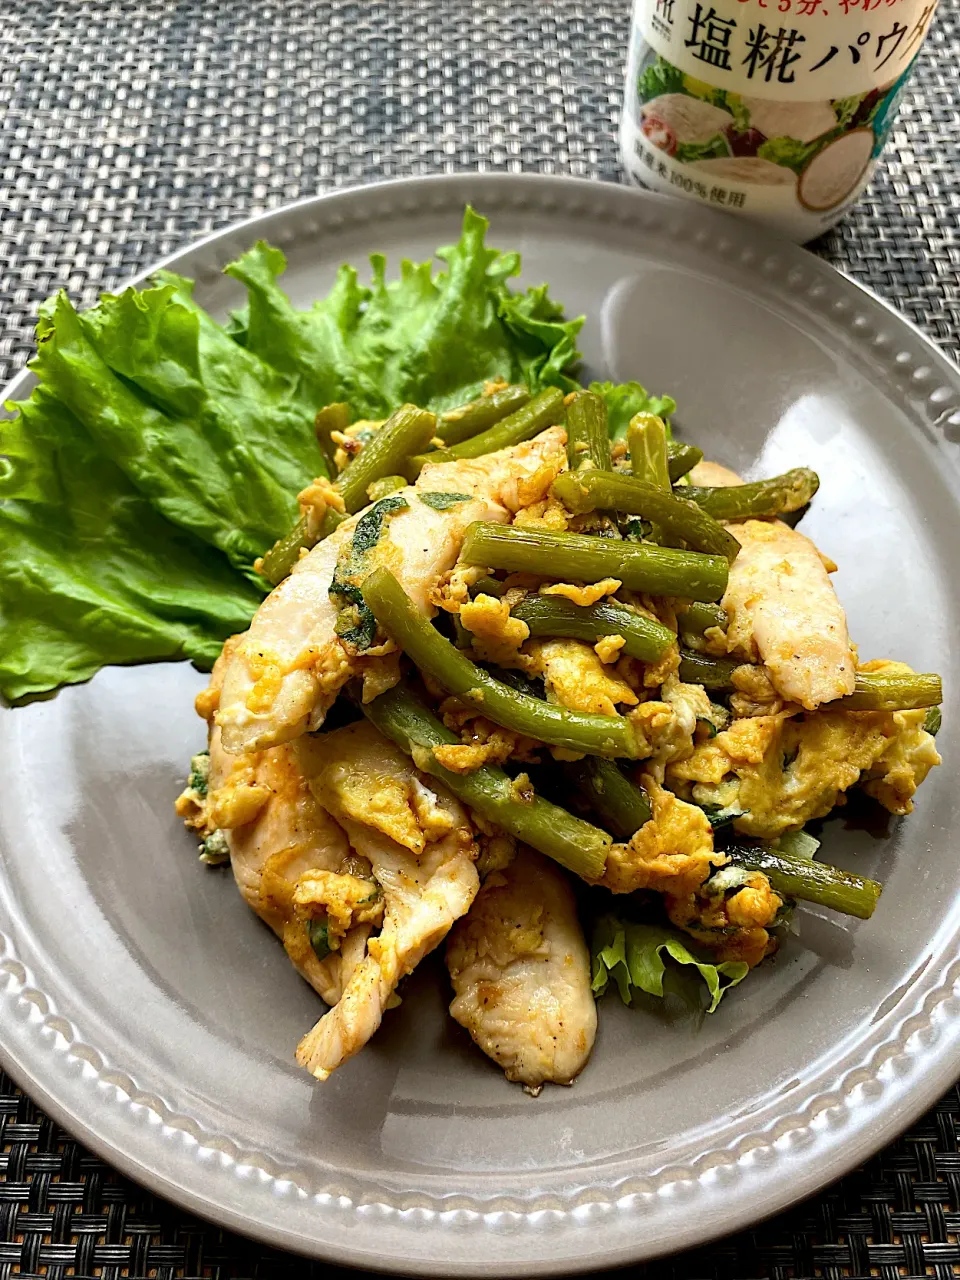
{"points": [[775, 109]]}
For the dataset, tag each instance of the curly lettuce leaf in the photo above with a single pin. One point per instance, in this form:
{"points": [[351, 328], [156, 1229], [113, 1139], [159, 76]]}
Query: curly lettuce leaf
{"points": [[430, 339], [713, 148], [625, 399], [791, 152], [659, 78], [200, 427], [90, 572], [846, 108], [634, 957], [741, 113]]}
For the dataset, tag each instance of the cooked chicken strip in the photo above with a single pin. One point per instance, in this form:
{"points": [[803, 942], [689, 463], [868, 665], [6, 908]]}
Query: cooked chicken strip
{"points": [[521, 974], [780, 599], [276, 834], [421, 847], [286, 671], [712, 475], [783, 608]]}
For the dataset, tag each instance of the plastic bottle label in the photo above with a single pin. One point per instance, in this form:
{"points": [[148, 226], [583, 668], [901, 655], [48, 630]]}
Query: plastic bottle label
{"points": [[773, 108]]}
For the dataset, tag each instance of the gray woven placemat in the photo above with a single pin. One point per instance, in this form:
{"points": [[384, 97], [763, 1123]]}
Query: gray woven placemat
{"points": [[128, 129]]}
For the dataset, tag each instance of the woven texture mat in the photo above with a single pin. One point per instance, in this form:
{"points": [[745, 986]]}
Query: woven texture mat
{"points": [[129, 129]]}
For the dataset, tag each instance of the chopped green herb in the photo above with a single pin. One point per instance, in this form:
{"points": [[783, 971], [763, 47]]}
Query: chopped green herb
{"points": [[319, 937], [722, 815], [369, 528], [199, 772], [215, 851], [355, 625], [443, 501], [933, 721]]}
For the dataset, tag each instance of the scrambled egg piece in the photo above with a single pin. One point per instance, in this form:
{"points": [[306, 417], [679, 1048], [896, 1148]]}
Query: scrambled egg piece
{"points": [[451, 591], [483, 743], [790, 770], [689, 703], [608, 649], [731, 914], [908, 758], [315, 500], [364, 785], [548, 513], [380, 671], [672, 853], [344, 900], [497, 635], [234, 801], [532, 488], [583, 594], [351, 442], [575, 677]]}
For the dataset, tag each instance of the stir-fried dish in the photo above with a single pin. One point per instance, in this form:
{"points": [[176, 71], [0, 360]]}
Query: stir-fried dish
{"points": [[531, 671], [526, 616]]}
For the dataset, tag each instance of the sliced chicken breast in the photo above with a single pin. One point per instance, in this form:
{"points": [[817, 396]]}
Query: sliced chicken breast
{"points": [[420, 845], [277, 833], [780, 595], [285, 672], [783, 608], [521, 974]]}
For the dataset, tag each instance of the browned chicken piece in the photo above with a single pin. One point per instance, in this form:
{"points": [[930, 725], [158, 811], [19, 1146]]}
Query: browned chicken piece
{"points": [[521, 974], [783, 608], [419, 843], [277, 836]]}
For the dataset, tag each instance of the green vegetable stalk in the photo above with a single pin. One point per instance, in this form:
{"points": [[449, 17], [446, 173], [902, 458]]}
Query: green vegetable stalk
{"points": [[676, 517], [466, 420], [333, 417], [774, 497], [645, 638], [406, 431], [437, 658], [809, 881], [647, 443], [544, 410], [681, 458], [698, 617], [588, 444], [893, 691], [578, 557], [622, 806], [714, 674], [575, 844]]}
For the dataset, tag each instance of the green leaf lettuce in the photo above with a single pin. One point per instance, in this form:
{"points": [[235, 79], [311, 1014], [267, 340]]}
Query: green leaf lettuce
{"points": [[425, 338], [162, 452], [634, 957], [90, 572], [625, 399]]}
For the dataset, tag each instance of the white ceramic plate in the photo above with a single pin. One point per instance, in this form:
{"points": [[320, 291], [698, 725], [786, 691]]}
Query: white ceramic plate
{"points": [[146, 1008]]}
